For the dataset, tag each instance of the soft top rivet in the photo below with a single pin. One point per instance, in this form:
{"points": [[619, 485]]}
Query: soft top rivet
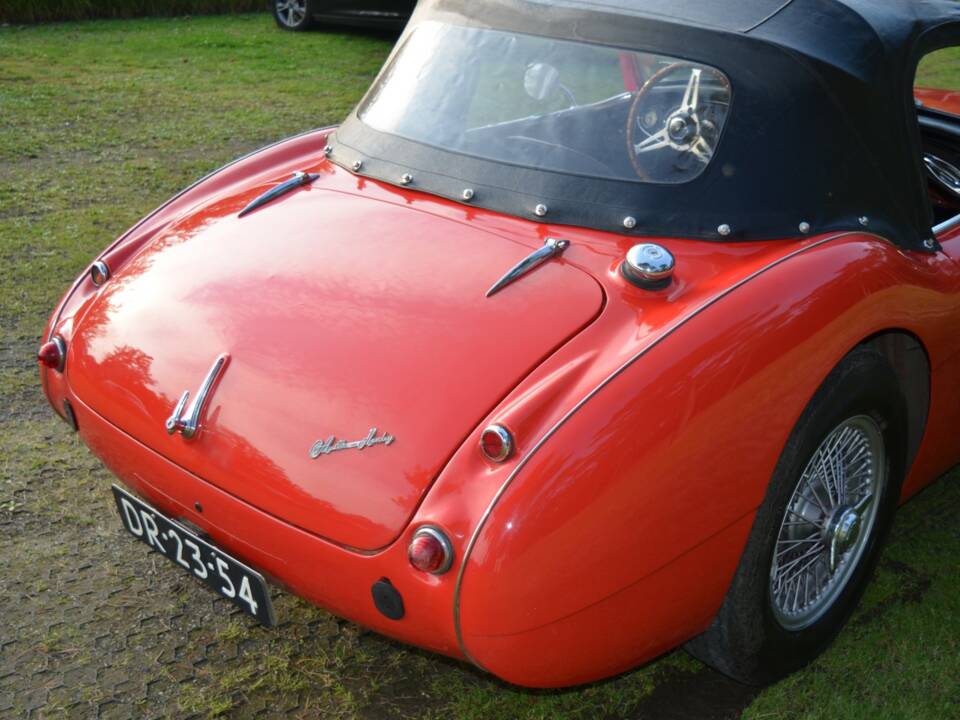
{"points": [[357, 164], [724, 230], [467, 194], [804, 227], [864, 220], [629, 222], [406, 179], [929, 243], [540, 210], [328, 150]]}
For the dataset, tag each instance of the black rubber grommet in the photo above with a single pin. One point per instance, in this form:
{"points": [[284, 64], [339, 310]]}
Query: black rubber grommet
{"points": [[387, 599]]}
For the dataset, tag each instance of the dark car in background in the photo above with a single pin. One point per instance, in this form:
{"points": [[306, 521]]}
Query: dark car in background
{"points": [[305, 14]]}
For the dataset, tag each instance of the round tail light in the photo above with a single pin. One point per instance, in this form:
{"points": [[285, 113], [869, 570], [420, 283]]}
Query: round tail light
{"points": [[496, 443], [53, 354], [430, 551]]}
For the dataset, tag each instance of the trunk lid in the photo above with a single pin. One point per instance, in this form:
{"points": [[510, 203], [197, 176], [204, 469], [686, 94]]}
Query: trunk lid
{"points": [[340, 314]]}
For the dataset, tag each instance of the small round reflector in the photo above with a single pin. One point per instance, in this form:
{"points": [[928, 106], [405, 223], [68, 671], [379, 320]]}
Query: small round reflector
{"points": [[99, 273], [53, 354], [430, 551], [496, 443]]}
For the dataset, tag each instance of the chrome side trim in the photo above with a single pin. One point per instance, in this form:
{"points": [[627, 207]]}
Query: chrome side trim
{"points": [[551, 248], [299, 179], [680, 322], [189, 426], [946, 226]]}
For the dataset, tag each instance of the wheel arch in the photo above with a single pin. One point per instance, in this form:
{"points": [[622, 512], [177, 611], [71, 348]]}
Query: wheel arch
{"points": [[910, 360]]}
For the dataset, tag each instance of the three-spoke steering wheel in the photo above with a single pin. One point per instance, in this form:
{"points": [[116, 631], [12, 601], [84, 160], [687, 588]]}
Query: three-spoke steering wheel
{"points": [[690, 130]]}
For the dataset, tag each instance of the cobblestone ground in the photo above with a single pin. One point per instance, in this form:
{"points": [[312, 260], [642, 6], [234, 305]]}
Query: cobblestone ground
{"points": [[92, 624]]}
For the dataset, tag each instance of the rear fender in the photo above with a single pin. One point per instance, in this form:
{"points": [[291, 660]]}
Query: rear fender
{"points": [[652, 483]]}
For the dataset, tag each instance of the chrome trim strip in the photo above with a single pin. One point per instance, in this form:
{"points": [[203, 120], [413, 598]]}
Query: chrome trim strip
{"points": [[299, 179], [551, 248], [946, 226], [589, 396], [189, 426]]}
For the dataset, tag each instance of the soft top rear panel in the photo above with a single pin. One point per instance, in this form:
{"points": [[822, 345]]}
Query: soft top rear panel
{"points": [[822, 127]]}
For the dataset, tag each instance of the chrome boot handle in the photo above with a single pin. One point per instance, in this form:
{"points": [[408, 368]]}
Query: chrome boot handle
{"points": [[189, 425]]}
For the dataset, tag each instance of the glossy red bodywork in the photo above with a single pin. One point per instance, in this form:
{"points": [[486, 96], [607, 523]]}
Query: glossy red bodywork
{"points": [[945, 100], [386, 311], [646, 424]]}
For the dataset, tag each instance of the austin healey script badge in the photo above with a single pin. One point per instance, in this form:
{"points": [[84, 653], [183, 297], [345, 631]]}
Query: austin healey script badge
{"points": [[331, 444]]}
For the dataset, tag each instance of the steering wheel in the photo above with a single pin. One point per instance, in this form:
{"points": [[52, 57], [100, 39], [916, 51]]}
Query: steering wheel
{"points": [[671, 138]]}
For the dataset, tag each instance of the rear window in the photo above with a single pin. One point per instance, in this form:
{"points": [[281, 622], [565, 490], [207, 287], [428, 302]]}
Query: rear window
{"points": [[550, 104]]}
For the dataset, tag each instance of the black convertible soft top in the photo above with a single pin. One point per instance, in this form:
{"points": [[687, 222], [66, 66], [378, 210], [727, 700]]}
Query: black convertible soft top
{"points": [[822, 128]]}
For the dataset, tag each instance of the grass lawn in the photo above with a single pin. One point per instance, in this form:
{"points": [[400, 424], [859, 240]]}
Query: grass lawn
{"points": [[99, 123]]}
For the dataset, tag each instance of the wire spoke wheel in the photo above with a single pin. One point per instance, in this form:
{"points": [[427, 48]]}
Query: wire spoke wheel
{"points": [[827, 523], [291, 12]]}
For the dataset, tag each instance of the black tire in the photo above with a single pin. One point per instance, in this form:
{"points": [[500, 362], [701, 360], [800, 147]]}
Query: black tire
{"points": [[293, 15], [747, 641]]}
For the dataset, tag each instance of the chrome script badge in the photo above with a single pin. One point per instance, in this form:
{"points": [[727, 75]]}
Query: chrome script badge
{"points": [[331, 444]]}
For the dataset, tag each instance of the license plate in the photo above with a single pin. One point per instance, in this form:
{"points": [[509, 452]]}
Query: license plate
{"points": [[228, 576]]}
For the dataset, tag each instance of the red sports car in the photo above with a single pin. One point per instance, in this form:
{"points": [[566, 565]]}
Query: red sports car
{"points": [[597, 328]]}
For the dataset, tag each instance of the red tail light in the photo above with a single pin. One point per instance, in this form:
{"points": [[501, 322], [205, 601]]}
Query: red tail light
{"points": [[496, 443], [430, 551], [53, 354]]}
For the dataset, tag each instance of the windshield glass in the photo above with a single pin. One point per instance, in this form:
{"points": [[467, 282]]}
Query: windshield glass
{"points": [[552, 104]]}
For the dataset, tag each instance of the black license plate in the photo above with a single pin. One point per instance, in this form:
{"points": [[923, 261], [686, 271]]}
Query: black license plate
{"points": [[228, 576]]}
